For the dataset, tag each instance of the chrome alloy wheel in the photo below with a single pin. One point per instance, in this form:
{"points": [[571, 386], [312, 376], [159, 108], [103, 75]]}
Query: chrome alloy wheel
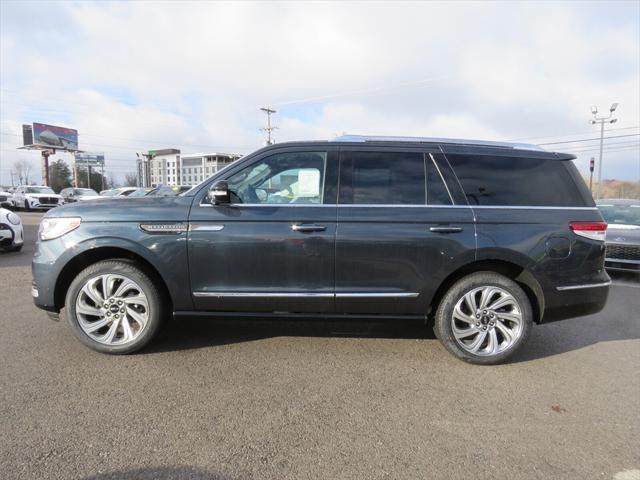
{"points": [[487, 321], [112, 309]]}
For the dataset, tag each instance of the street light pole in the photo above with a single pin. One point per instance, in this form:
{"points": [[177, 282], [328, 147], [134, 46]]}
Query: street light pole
{"points": [[602, 120]]}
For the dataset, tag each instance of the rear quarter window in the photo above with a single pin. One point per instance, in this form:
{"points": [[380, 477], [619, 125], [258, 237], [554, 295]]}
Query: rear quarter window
{"points": [[517, 181]]}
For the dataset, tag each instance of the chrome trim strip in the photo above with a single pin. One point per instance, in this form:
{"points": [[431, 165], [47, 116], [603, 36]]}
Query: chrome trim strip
{"points": [[175, 228], [344, 205], [433, 160], [262, 294], [586, 285], [528, 207], [306, 294], [203, 227], [377, 295], [621, 260]]}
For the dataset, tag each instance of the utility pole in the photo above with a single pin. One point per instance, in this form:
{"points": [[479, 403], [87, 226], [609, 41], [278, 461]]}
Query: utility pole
{"points": [[602, 120], [268, 128]]}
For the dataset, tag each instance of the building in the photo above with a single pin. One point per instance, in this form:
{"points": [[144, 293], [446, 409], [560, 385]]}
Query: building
{"points": [[197, 167], [169, 167], [164, 167]]}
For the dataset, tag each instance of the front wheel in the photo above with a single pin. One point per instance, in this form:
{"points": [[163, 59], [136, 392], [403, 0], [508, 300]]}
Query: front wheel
{"points": [[484, 318], [114, 307], [27, 207]]}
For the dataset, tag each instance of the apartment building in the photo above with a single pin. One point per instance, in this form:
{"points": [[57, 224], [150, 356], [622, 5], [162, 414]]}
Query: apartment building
{"points": [[169, 167]]}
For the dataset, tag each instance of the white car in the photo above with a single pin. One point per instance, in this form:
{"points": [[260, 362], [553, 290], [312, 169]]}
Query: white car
{"points": [[70, 195], [118, 192], [6, 199], [11, 234], [32, 197]]}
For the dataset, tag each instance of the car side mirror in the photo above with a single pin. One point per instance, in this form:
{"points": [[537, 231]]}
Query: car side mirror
{"points": [[219, 193]]}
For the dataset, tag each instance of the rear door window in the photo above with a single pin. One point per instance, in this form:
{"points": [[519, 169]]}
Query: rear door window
{"points": [[516, 181], [382, 178]]}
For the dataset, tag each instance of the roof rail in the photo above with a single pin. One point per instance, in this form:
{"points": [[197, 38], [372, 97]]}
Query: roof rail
{"points": [[449, 141]]}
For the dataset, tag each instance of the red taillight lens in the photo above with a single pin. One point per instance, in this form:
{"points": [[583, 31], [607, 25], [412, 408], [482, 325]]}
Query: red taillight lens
{"points": [[592, 230]]}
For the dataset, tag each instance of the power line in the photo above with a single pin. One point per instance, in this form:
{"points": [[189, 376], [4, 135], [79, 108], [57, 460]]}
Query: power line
{"points": [[569, 134], [590, 139]]}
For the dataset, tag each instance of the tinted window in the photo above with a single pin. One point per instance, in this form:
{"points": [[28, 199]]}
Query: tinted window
{"points": [[282, 178], [382, 178], [437, 193], [497, 180]]}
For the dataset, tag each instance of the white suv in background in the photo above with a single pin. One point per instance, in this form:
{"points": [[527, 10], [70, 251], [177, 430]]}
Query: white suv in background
{"points": [[34, 197]]}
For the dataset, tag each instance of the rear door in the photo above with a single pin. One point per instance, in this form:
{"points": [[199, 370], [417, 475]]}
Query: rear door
{"points": [[400, 230]]}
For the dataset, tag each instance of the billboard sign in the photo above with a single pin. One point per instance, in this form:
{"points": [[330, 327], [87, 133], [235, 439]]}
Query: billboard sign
{"points": [[89, 159], [55, 137]]}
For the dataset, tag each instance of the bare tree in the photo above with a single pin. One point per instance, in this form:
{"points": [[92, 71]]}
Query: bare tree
{"points": [[22, 169], [130, 180]]}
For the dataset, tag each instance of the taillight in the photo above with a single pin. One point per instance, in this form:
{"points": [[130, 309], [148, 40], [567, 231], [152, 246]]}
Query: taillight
{"points": [[592, 230]]}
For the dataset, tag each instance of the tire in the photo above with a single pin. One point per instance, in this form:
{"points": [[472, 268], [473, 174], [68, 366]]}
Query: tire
{"points": [[129, 290], [484, 318], [27, 207], [14, 248]]}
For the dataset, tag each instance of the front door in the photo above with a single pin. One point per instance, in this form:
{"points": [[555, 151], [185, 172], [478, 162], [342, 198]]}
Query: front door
{"points": [[273, 248]]}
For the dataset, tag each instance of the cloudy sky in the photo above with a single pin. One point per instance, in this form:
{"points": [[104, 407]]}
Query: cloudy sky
{"points": [[146, 75]]}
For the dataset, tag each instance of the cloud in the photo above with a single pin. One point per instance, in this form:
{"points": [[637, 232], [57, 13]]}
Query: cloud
{"points": [[135, 76]]}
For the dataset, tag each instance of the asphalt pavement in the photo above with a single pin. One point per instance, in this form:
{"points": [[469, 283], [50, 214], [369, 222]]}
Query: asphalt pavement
{"points": [[315, 400]]}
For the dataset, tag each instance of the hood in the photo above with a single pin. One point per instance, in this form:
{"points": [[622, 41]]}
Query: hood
{"points": [[623, 234], [123, 209], [48, 195]]}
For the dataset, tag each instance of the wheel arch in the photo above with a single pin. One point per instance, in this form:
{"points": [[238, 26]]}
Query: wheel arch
{"points": [[94, 255], [516, 272]]}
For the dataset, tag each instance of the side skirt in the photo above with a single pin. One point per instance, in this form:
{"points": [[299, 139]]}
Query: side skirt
{"points": [[288, 316]]}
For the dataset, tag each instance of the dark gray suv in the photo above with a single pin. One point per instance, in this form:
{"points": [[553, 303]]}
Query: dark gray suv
{"points": [[481, 239]]}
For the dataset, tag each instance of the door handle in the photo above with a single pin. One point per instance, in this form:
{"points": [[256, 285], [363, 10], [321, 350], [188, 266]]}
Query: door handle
{"points": [[445, 229], [308, 227]]}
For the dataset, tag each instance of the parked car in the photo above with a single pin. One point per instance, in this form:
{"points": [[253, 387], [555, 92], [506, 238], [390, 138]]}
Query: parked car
{"points": [[6, 199], [118, 192], [36, 197], [168, 191], [11, 233], [71, 194], [140, 192], [359, 227], [623, 234]]}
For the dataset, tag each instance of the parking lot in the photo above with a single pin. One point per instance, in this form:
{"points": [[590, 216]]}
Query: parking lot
{"points": [[309, 399]]}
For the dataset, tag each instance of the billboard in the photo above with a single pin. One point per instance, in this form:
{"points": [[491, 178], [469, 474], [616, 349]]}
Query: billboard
{"points": [[89, 159], [55, 137]]}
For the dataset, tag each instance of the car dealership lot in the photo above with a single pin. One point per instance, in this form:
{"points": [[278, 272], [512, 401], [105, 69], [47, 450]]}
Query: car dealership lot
{"points": [[263, 399]]}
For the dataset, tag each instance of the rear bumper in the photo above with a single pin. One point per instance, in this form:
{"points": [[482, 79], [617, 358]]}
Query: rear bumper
{"points": [[622, 265], [577, 299]]}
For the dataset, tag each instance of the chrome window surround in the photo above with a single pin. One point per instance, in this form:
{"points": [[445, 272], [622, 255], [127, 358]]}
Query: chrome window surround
{"points": [[342, 205]]}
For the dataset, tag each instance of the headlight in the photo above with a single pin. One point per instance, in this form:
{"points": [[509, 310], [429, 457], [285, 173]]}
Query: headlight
{"points": [[51, 228], [13, 218]]}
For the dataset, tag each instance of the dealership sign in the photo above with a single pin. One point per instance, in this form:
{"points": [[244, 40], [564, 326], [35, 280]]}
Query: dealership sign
{"points": [[55, 137], [90, 159]]}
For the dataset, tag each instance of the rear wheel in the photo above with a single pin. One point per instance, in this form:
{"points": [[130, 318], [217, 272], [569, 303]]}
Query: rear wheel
{"points": [[27, 207], [114, 307], [484, 318]]}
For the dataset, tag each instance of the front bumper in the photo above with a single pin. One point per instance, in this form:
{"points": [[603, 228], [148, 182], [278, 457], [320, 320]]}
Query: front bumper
{"points": [[11, 235]]}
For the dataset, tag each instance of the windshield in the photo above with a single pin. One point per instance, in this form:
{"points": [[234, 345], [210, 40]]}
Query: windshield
{"points": [[109, 193], [621, 214], [85, 191], [40, 190]]}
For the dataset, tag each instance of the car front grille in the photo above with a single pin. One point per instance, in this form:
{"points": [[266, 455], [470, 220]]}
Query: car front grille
{"points": [[48, 200], [3, 198], [623, 252]]}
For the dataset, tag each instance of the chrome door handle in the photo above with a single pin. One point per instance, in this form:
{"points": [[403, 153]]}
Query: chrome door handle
{"points": [[445, 229], [304, 228]]}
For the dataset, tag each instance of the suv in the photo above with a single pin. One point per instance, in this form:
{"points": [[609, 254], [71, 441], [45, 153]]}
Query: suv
{"points": [[34, 197], [483, 239]]}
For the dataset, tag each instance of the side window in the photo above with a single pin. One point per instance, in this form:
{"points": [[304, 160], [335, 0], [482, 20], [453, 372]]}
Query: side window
{"points": [[286, 178], [382, 178], [437, 193], [515, 181]]}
